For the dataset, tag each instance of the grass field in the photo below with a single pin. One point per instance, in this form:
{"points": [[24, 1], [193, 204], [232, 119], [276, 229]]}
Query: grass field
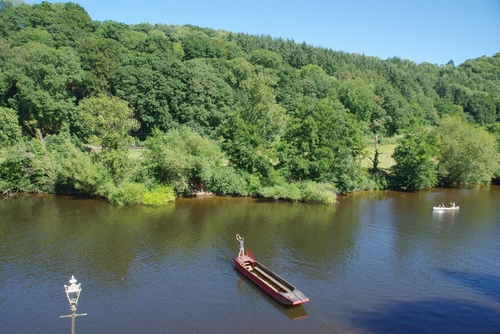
{"points": [[385, 152]]}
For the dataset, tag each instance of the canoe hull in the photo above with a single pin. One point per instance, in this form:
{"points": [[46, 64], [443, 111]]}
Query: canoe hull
{"points": [[437, 208], [278, 288]]}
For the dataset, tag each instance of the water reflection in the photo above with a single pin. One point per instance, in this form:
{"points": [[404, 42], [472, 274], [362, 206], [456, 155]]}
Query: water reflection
{"points": [[444, 219], [368, 263]]}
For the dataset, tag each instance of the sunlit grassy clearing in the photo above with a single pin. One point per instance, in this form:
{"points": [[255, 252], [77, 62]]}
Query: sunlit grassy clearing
{"points": [[136, 153], [385, 152]]}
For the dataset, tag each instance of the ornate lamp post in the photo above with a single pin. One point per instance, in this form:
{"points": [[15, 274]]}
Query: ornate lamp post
{"points": [[73, 293]]}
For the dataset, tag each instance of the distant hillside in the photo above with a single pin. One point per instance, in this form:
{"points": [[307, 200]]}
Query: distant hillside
{"points": [[270, 104]]}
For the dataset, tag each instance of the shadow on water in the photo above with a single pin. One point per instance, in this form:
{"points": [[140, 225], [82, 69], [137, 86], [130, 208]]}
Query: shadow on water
{"points": [[488, 285], [430, 316]]}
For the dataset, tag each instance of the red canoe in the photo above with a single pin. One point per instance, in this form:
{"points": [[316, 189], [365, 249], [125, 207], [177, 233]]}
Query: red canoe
{"points": [[277, 287]]}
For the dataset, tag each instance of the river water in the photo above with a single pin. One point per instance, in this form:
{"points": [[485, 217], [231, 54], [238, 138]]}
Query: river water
{"points": [[375, 262]]}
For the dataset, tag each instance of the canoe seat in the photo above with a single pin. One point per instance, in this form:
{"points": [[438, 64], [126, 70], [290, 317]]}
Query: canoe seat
{"points": [[273, 282]]}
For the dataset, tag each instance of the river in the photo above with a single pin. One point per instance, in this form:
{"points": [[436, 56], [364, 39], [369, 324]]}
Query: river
{"points": [[375, 262]]}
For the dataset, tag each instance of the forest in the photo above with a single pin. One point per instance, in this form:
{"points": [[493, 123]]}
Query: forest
{"points": [[142, 113]]}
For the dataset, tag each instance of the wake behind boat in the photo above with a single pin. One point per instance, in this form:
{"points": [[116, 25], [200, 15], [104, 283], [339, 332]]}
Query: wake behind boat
{"points": [[270, 282]]}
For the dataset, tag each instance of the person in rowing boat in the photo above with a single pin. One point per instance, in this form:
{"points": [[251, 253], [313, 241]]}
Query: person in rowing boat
{"points": [[240, 243]]}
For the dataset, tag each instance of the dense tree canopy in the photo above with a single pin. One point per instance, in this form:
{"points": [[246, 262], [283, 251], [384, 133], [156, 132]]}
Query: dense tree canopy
{"points": [[469, 154], [286, 117], [10, 131], [416, 165]]}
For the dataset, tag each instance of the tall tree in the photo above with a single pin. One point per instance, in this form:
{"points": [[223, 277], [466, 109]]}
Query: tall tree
{"points": [[358, 98], [41, 85], [469, 154], [10, 131], [481, 107], [100, 58], [107, 121], [154, 88], [416, 157], [323, 144], [315, 81], [186, 161], [207, 98], [251, 134]]}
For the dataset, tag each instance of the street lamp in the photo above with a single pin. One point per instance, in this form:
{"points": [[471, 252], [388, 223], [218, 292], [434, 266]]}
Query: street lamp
{"points": [[73, 291]]}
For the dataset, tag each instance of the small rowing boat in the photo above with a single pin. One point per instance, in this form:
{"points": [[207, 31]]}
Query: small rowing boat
{"points": [[270, 282], [451, 208]]}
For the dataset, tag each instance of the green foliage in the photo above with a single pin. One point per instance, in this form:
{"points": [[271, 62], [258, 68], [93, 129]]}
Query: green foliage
{"points": [[315, 81], [254, 183], [100, 58], [159, 195], [127, 193], [415, 157], [198, 45], [446, 107], [323, 144], [107, 121], [358, 98], [469, 154], [26, 168], [482, 107], [289, 89], [250, 135], [305, 191], [494, 129], [72, 15], [158, 44], [131, 39], [266, 58], [240, 70], [259, 109], [10, 131], [226, 180], [280, 114], [288, 191], [317, 192], [376, 180], [179, 157], [154, 89], [207, 97], [394, 106], [78, 173], [167, 160], [117, 163], [111, 30], [29, 34], [40, 84]]}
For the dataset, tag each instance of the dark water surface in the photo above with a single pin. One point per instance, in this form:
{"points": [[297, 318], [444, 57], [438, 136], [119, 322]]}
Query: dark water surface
{"points": [[379, 262]]}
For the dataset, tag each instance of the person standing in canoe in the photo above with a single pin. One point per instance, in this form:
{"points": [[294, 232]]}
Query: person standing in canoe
{"points": [[241, 246]]}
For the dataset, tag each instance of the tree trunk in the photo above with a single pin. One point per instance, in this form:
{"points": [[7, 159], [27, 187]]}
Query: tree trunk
{"points": [[40, 137], [375, 158]]}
